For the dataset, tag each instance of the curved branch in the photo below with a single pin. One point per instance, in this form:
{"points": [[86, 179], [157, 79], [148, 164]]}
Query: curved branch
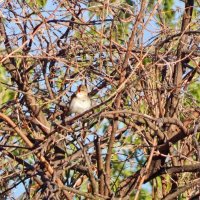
{"points": [[180, 190], [30, 144], [175, 169]]}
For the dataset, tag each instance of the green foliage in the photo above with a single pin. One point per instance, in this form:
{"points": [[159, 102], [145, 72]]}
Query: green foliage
{"points": [[128, 140], [145, 195], [120, 32], [143, 107], [120, 29], [130, 2], [38, 3], [159, 183], [146, 61], [157, 187], [6, 94], [194, 90], [41, 3], [169, 183], [120, 170], [151, 3], [168, 11]]}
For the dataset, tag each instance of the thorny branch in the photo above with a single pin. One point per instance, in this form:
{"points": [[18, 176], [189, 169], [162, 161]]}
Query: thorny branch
{"points": [[143, 123]]}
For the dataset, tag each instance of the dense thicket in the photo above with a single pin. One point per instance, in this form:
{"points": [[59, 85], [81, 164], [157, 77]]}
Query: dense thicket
{"points": [[140, 62]]}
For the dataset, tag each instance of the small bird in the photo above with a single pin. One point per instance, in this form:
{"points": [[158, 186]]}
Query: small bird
{"points": [[81, 101]]}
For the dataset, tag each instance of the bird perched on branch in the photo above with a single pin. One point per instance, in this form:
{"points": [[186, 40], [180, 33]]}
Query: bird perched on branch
{"points": [[80, 102]]}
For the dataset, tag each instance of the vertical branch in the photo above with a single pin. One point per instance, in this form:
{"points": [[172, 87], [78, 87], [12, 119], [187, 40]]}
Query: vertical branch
{"points": [[178, 74], [23, 85], [122, 71], [90, 171], [110, 146], [178, 71], [99, 166], [39, 156], [141, 181]]}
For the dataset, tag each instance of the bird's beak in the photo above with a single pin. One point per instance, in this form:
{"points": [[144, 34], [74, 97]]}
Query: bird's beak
{"points": [[79, 89]]}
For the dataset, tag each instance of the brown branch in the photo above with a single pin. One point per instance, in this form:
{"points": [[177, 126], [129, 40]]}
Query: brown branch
{"points": [[180, 190], [30, 99], [143, 176], [178, 71], [133, 34], [99, 165], [90, 170], [30, 144], [118, 96], [37, 112], [109, 154], [168, 39], [78, 192], [29, 167], [161, 148], [175, 169], [159, 121]]}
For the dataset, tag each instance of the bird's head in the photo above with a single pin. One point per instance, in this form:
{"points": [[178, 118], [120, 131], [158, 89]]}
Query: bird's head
{"points": [[82, 91]]}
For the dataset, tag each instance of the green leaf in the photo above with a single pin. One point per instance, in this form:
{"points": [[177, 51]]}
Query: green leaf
{"points": [[38, 3], [194, 90], [6, 94]]}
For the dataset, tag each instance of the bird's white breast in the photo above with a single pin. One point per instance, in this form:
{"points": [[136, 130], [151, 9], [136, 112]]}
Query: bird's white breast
{"points": [[80, 105]]}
